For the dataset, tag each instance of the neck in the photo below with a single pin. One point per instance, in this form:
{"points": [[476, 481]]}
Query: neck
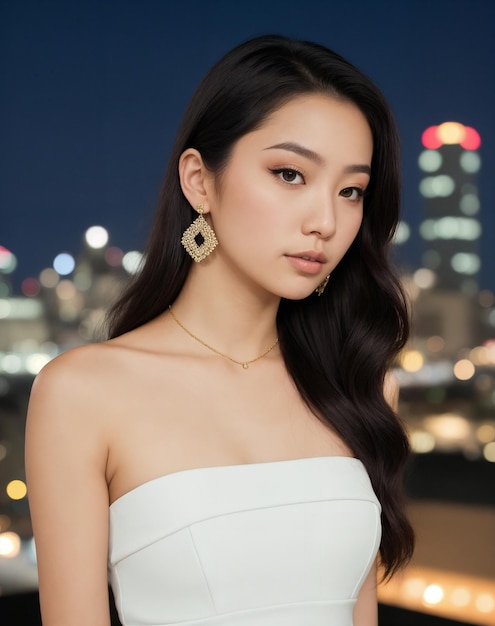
{"points": [[234, 318]]}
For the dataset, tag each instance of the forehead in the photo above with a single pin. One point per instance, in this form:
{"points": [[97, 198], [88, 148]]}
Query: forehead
{"points": [[325, 124]]}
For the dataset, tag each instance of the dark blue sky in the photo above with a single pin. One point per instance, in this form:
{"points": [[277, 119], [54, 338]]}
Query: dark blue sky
{"points": [[92, 94]]}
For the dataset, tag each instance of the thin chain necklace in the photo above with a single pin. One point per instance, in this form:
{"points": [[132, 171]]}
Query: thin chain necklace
{"points": [[245, 364]]}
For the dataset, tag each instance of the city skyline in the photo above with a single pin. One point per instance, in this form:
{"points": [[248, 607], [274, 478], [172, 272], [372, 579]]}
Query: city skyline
{"points": [[95, 95]]}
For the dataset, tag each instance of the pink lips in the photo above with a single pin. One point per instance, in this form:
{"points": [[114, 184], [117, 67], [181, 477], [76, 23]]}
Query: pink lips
{"points": [[308, 262]]}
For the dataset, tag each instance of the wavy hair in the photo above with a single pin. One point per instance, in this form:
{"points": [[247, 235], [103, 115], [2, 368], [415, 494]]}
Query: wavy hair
{"points": [[337, 347]]}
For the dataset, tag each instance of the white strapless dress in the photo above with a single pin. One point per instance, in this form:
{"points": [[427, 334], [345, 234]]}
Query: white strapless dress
{"points": [[283, 543]]}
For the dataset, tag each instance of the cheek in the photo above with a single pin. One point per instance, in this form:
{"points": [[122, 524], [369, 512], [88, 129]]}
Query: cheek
{"points": [[253, 204], [351, 228]]}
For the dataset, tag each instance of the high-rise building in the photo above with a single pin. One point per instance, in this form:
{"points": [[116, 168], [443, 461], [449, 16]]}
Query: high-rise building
{"points": [[451, 229]]}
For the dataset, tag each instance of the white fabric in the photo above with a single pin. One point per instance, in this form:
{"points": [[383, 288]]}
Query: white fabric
{"points": [[284, 543]]}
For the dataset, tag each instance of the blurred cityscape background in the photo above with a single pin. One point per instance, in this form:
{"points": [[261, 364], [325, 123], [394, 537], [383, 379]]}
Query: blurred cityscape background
{"points": [[443, 247]]}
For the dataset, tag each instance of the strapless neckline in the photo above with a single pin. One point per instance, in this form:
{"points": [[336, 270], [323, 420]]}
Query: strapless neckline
{"points": [[232, 467], [273, 543]]}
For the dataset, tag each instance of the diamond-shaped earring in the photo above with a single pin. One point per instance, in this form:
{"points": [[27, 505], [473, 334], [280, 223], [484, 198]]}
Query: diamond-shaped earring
{"points": [[199, 239]]}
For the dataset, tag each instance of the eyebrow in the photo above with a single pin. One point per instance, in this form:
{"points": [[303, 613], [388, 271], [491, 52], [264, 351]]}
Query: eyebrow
{"points": [[314, 156]]}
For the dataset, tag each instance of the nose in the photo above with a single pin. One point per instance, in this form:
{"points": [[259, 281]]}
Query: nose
{"points": [[320, 218]]}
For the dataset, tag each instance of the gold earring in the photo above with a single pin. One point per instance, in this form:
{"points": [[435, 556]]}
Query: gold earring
{"points": [[199, 239], [321, 287]]}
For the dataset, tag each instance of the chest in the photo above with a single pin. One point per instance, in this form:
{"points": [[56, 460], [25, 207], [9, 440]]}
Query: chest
{"points": [[188, 422]]}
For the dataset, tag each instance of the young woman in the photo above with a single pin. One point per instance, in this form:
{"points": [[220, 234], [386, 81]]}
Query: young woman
{"points": [[233, 449]]}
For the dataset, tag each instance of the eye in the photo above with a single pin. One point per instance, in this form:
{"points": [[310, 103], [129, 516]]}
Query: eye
{"points": [[352, 193], [289, 175]]}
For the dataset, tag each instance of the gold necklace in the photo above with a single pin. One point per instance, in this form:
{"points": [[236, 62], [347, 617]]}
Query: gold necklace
{"points": [[245, 364]]}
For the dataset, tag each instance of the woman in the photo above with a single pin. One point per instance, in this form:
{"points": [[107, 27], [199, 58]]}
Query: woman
{"points": [[240, 420]]}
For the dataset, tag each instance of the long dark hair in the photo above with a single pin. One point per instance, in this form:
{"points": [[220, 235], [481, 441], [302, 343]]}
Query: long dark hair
{"points": [[338, 347]]}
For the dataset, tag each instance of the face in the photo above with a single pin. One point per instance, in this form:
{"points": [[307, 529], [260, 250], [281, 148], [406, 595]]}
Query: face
{"points": [[290, 201]]}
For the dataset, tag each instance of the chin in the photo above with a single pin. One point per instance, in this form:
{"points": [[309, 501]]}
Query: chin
{"points": [[299, 294]]}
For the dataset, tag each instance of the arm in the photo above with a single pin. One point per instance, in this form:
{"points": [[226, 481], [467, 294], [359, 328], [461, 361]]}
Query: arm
{"points": [[65, 467], [391, 391], [366, 609]]}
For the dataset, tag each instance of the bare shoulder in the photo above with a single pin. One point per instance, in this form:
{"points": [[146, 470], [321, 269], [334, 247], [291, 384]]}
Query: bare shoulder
{"points": [[67, 444], [90, 383], [391, 390], [82, 370], [76, 391]]}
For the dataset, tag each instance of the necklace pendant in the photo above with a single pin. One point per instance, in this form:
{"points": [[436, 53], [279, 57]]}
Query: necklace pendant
{"points": [[245, 366]]}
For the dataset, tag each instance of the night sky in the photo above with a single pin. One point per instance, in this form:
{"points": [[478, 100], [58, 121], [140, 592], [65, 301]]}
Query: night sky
{"points": [[92, 94]]}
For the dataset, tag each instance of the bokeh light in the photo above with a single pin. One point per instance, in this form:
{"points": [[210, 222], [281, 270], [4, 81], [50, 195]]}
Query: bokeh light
{"points": [[435, 343], [35, 362], [470, 162], [422, 441], [469, 204], [440, 186], [10, 545], [16, 489], [402, 233], [485, 433], [114, 256], [49, 278], [8, 261], [433, 594], [430, 160], [424, 278], [448, 426], [489, 452], [65, 290], [485, 603], [472, 139], [460, 596], [30, 287], [83, 280], [10, 363], [96, 237], [132, 261], [464, 369], [412, 360], [465, 263], [64, 263], [451, 133], [413, 587]]}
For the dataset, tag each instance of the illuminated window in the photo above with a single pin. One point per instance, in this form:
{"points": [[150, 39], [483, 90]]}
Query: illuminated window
{"points": [[430, 160], [470, 162], [451, 228], [465, 263], [469, 204], [437, 186]]}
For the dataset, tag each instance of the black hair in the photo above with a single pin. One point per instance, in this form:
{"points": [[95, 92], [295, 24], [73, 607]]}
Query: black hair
{"points": [[338, 347]]}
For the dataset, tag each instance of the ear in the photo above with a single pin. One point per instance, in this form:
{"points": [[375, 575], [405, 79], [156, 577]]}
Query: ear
{"points": [[195, 179]]}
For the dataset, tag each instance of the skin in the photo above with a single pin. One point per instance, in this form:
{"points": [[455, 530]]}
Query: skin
{"points": [[105, 418]]}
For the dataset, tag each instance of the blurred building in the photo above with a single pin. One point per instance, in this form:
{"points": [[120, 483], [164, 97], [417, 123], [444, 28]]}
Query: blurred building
{"points": [[451, 229], [447, 304]]}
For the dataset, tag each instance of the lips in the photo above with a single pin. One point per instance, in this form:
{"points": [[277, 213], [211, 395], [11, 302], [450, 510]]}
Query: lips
{"points": [[310, 255], [309, 262]]}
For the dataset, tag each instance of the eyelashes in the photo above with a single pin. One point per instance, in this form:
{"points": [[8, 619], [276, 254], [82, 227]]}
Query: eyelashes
{"points": [[289, 175], [293, 177], [349, 191]]}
